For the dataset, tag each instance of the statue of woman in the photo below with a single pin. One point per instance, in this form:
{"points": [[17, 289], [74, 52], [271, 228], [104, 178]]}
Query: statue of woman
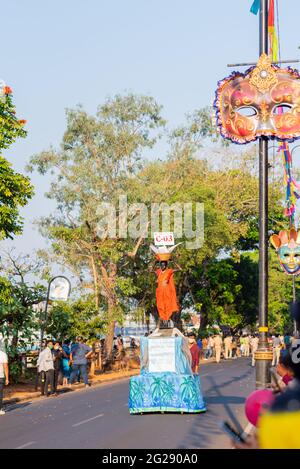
{"points": [[166, 299]]}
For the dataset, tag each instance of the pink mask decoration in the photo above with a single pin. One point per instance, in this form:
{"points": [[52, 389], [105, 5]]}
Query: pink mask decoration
{"points": [[263, 101]]}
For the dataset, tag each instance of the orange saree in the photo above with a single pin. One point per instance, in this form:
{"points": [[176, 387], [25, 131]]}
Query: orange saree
{"points": [[166, 294]]}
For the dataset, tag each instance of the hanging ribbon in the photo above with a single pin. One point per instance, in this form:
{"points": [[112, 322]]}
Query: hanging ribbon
{"points": [[255, 7], [292, 187], [274, 46]]}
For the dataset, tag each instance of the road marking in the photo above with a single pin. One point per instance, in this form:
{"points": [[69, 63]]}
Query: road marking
{"points": [[26, 445], [88, 420]]}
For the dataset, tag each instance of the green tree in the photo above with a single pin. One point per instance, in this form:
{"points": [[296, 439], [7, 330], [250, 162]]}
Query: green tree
{"points": [[98, 154], [15, 189], [19, 319], [77, 318]]}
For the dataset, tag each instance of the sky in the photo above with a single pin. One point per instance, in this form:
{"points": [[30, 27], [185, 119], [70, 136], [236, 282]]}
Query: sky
{"points": [[57, 54]]}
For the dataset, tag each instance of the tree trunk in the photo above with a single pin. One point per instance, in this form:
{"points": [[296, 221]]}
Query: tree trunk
{"points": [[110, 333], [96, 282], [204, 318]]}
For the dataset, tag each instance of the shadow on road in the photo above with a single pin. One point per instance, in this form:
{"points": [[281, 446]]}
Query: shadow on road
{"points": [[22, 405], [206, 426]]}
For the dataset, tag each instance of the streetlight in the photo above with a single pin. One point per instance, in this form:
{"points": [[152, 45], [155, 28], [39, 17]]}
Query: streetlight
{"points": [[59, 289]]}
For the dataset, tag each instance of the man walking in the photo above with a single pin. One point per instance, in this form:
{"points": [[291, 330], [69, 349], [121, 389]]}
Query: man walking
{"points": [[228, 347], [210, 347], [218, 347], [247, 346], [276, 343], [4, 377], [46, 369], [79, 355], [204, 347], [254, 347], [57, 355]]}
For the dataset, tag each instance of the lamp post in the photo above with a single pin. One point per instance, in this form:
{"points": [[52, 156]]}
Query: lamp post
{"points": [[263, 356], [59, 289]]}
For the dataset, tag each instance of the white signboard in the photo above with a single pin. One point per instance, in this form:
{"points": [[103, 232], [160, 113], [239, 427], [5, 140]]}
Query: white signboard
{"points": [[164, 239], [59, 289], [161, 355]]}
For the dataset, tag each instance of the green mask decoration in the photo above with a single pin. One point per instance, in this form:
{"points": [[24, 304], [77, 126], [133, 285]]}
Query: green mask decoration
{"points": [[287, 245]]}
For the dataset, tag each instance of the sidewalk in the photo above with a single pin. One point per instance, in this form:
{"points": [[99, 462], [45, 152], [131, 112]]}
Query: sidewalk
{"points": [[25, 392]]}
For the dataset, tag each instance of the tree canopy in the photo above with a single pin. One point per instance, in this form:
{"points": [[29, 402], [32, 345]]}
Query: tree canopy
{"points": [[103, 158]]}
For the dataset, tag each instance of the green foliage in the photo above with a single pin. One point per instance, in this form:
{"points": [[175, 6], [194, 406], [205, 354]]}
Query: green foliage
{"points": [[15, 189], [19, 322], [19, 317], [76, 318], [10, 127], [98, 155], [101, 158]]}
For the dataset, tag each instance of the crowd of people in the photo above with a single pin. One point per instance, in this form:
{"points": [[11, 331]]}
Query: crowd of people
{"points": [[67, 361], [229, 346]]}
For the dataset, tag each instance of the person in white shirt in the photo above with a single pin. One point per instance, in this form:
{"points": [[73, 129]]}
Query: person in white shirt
{"points": [[46, 369], [4, 377]]}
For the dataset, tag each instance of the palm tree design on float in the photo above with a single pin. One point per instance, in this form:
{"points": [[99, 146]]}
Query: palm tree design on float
{"points": [[162, 391], [189, 392], [137, 391]]}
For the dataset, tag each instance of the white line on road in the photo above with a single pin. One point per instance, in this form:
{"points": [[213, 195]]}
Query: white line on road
{"points": [[88, 420], [26, 445]]}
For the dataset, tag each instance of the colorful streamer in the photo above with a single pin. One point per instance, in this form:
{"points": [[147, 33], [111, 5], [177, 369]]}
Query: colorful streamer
{"points": [[292, 187], [274, 45], [255, 7]]}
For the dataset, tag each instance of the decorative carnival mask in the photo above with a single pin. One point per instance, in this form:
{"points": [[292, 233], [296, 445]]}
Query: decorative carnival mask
{"points": [[287, 245], [263, 101]]}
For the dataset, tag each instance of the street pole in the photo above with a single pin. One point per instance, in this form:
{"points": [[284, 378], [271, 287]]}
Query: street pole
{"points": [[263, 355], [44, 320]]}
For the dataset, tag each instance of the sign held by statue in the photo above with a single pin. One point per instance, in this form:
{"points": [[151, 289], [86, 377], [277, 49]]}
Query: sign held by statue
{"points": [[164, 239]]}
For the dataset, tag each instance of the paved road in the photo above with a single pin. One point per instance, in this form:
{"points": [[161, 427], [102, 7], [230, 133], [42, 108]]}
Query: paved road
{"points": [[98, 417]]}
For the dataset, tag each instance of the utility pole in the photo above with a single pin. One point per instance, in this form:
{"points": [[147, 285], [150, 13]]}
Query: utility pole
{"points": [[263, 356]]}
